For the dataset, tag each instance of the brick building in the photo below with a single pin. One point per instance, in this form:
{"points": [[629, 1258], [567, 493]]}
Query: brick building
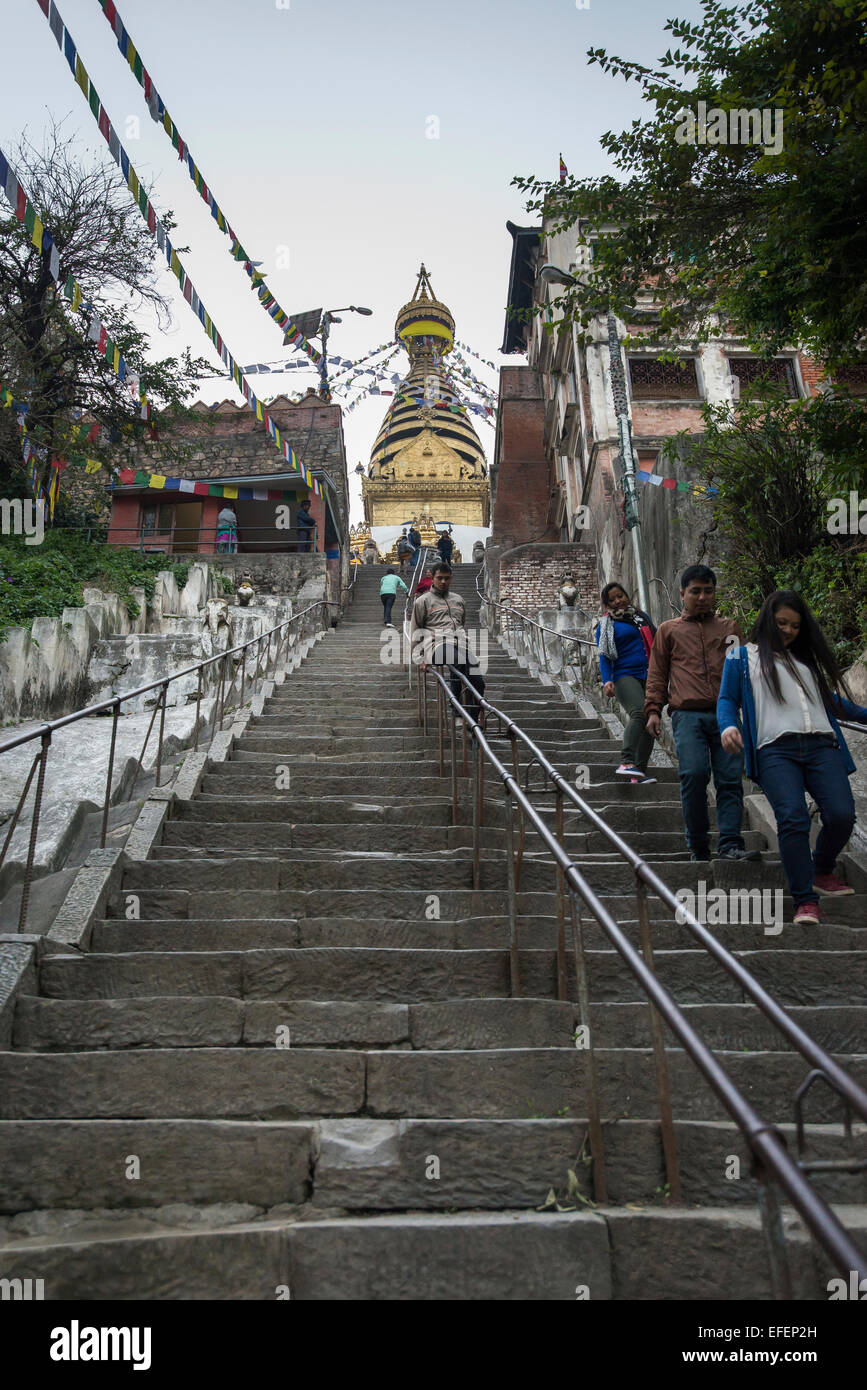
{"points": [[557, 473], [232, 459]]}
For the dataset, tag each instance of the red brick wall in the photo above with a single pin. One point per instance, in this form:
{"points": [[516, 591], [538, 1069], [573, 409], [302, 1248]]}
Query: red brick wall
{"points": [[531, 575], [523, 474]]}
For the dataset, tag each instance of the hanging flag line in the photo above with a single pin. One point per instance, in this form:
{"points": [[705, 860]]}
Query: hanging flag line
{"points": [[157, 230], [646, 475], [160, 115], [139, 477], [43, 240], [465, 347], [28, 453]]}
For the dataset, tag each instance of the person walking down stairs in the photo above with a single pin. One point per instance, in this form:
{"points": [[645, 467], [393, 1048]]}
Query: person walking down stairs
{"points": [[387, 592], [685, 670], [624, 636], [441, 618], [787, 682]]}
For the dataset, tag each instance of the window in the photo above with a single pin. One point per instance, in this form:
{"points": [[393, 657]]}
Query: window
{"points": [[853, 378], [156, 518], [652, 380], [755, 374]]}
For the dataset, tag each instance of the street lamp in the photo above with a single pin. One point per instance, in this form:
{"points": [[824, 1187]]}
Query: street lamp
{"points": [[553, 275], [329, 317]]}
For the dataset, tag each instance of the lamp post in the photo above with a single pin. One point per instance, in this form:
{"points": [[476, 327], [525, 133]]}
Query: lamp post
{"points": [[552, 274], [329, 317]]}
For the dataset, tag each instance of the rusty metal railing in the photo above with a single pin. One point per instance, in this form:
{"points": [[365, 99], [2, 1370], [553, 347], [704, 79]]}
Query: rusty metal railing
{"points": [[280, 638], [773, 1167]]}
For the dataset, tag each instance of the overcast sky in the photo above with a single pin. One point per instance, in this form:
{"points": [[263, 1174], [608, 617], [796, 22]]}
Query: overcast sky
{"points": [[310, 120]]}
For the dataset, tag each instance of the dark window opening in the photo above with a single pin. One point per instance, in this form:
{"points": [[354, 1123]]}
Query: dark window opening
{"points": [[756, 374], [652, 380]]}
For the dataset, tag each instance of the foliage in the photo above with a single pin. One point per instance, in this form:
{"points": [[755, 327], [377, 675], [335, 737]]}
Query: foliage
{"points": [[776, 482], [42, 580], [731, 232], [46, 357]]}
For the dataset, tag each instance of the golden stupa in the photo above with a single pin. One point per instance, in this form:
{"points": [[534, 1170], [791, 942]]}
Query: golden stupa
{"points": [[427, 464]]}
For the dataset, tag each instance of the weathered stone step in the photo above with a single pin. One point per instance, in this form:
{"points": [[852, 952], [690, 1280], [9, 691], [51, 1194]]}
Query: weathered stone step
{"points": [[223, 836], [478, 933], [401, 975], [170, 1022], [365, 1164], [385, 1165], [287, 1083], [388, 812], [83, 1164], [306, 869], [454, 904]]}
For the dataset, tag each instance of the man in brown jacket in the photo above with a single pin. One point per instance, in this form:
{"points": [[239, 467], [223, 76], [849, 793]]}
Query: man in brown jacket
{"points": [[686, 665]]}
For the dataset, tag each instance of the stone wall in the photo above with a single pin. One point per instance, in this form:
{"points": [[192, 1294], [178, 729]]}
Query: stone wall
{"points": [[530, 576], [45, 670]]}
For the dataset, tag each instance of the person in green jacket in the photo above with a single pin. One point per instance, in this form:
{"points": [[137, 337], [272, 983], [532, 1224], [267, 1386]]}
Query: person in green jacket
{"points": [[388, 592]]}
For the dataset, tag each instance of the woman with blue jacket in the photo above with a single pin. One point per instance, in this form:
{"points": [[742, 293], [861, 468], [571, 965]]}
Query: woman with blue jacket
{"points": [[624, 637], [787, 684]]}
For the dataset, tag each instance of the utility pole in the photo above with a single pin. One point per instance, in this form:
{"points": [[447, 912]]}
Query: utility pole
{"points": [[630, 490]]}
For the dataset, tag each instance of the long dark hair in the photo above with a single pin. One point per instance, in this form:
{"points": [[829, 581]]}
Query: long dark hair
{"points": [[809, 647]]}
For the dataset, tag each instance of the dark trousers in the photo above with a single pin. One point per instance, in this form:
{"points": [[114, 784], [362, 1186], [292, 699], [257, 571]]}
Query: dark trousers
{"points": [[637, 742], [304, 541], [454, 652], [387, 605], [700, 752], [790, 767]]}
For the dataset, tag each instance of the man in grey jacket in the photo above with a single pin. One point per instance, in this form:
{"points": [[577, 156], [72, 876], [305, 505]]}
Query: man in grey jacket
{"points": [[441, 617]]}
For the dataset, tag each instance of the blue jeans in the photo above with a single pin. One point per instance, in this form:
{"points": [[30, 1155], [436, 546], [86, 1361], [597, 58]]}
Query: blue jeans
{"points": [[788, 768], [700, 751]]}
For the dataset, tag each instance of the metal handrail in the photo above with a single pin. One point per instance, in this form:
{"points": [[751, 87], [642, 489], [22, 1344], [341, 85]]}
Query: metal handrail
{"points": [[536, 645], [44, 732], [768, 1147]]}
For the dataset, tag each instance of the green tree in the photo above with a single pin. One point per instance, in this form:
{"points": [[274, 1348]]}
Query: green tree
{"points": [[46, 357], [775, 242], [778, 465]]}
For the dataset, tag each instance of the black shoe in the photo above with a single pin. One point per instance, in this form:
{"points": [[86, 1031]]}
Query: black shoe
{"points": [[700, 856], [753, 855]]}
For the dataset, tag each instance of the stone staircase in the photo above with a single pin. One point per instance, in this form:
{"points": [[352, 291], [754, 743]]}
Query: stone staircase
{"points": [[300, 1072]]}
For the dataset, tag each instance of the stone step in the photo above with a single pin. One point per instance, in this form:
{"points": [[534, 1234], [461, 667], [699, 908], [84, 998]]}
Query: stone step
{"points": [[644, 817], [373, 1165], [454, 904], [478, 933], [167, 1021], [287, 1083], [399, 975], [224, 835], [428, 869]]}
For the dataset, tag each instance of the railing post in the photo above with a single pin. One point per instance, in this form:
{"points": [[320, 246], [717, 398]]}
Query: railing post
{"points": [[594, 1118], [223, 664], [453, 748], [421, 677], [34, 830], [522, 830], [477, 816], [775, 1239], [663, 1083], [440, 727], [198, 708], [108, 775], [512, 894], [562, 992], [163, 697]]}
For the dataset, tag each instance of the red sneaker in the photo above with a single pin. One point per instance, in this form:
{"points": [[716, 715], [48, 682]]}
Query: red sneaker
{"points": [[831, 886], [808, 912]]}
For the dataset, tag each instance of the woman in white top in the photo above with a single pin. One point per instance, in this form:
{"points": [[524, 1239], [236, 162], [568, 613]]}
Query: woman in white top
{"points": [[787, 684]]}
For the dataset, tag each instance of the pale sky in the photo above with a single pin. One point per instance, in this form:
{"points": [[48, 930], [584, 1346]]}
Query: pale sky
{"points": [[310, 121]]}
